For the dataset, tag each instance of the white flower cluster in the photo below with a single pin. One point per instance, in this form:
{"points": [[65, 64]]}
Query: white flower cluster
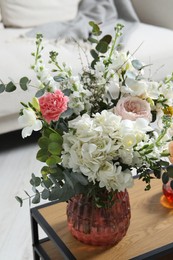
{"points": [[98, 147]]}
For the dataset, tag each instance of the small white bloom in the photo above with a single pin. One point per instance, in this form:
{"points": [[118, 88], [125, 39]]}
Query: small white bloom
{"points": [[135, 87], [30, 121], [129, 140]]}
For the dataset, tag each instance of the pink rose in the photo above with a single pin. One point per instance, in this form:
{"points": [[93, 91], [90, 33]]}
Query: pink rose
{"points": [[52, 105], [132, 108]]}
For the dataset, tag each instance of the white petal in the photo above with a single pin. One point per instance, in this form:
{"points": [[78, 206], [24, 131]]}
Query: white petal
{"points": [[27, 131]]}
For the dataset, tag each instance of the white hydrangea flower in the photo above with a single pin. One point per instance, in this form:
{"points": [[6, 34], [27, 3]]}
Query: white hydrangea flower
{"points": [[94, 145], [113, 178], [109, 122], [126, 156], [30, 121]]}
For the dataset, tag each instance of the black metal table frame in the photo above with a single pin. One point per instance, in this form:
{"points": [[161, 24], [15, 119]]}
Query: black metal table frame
{"points": [[39, 253]]}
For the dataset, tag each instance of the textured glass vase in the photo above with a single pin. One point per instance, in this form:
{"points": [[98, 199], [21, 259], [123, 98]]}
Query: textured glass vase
{"points": [[99, 226]]}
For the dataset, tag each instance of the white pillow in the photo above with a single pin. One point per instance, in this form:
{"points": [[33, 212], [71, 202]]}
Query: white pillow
{"points": [[29, 13]]}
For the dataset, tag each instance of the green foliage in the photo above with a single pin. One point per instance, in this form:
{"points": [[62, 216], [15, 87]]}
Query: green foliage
{"points": [[165, 178], [36, 198], [95, 28], [103, 44], [10, 87], [2, 88], [40, 92], [50, 147], [24, 83], [35, 181], [169, 171]]}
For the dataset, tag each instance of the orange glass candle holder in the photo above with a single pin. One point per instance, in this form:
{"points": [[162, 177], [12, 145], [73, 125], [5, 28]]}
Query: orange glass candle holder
{"points": [[168, 191]]}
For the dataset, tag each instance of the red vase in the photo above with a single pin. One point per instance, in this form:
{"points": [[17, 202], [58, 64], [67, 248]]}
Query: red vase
{"points": [[99, 226]]}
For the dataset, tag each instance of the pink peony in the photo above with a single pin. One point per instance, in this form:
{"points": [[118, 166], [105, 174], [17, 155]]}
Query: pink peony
{"points": [[52, 105], [132, 108]]}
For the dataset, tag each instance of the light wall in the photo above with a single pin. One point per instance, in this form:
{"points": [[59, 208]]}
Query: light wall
{"points": [[156, 12]]}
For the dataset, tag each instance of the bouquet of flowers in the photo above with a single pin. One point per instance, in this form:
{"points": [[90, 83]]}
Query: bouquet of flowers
{"points": [[99, 126]]}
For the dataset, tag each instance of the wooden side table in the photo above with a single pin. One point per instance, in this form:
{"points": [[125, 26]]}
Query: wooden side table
{"points": [[150, 235]]}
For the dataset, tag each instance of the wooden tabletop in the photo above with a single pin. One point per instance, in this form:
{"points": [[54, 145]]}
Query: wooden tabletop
{"points": [[151, 227]]}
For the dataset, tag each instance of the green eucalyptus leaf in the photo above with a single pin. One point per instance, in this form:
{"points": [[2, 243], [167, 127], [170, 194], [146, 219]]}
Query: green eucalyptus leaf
{"points": [[102, 47], [56, 137], [66, 92], [10, 87], [24, 83], [170, 171], [69, 181], [92, 40], [2, 88], [69, 112], [58, 78], [107, 38], [40, 92], [45, 194], [80, 178], [165, 178], [57, 172], [43, 142], [93, 63], [55, 193], [47, 183], [137, 64], [42, 155], [164, 163], [54, 148], [36, 198], [35, 181], [94, 54], [95, 28], [53, 159], [20, 200], [44, 171]]}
